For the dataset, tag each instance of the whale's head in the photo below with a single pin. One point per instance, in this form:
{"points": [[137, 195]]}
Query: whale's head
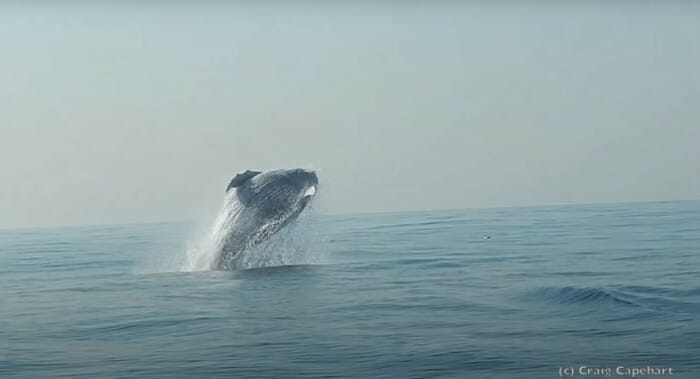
{"points": [[278, 194]]}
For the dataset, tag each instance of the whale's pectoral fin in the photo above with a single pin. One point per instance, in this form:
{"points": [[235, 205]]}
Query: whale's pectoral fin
{"points": [[241, 178]]}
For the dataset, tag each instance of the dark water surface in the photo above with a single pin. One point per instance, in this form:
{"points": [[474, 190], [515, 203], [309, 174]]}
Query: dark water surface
{"points": [[489, 293]]}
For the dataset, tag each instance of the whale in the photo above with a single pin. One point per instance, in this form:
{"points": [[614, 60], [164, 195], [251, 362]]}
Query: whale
{"points": [[257, 205]]}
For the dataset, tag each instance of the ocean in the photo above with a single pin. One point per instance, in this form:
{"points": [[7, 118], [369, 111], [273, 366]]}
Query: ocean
{"points": [[531, 292]]}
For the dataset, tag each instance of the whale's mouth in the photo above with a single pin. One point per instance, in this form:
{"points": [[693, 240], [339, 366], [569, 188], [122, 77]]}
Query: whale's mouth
{"points": [[310, 192]]}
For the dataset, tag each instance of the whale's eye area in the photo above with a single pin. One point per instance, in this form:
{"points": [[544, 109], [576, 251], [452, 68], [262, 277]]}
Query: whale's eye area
{"points": [[310, 191]]}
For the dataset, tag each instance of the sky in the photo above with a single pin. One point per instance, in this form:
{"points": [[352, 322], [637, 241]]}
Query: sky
{"points": [[115, 112]]}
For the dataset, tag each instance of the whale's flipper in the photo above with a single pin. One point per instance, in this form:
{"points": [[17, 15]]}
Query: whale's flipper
{"points": [[241, 178]]}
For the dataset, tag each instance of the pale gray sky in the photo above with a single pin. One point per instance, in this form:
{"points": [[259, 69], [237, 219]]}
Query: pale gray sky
{"points": [[120, 112]]}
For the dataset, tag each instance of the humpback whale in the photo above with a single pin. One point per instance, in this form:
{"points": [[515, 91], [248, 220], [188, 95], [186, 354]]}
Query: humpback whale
{"points": [[257, 205]]}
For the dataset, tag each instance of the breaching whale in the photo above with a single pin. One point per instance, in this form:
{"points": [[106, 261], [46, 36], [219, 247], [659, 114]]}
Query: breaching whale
{"points": [[258, 205]]}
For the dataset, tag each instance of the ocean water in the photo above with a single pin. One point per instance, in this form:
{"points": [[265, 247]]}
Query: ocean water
{"points": [[483, 293]]}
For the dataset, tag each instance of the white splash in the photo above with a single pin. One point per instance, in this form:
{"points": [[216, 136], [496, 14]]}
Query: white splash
{"points": [[292, 245], [296, 244], [201, 255]]}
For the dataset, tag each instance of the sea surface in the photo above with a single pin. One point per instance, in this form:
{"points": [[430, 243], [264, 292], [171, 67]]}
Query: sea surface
{"points": [[480, 293]]}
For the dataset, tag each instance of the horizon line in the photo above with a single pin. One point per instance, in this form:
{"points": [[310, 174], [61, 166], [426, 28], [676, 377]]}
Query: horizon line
{"points": [[360, 213]]}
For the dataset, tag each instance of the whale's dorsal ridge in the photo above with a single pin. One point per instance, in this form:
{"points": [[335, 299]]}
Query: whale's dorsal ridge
{"points": [[241, 178]]}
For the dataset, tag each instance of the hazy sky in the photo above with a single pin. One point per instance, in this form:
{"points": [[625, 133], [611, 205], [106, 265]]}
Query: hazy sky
{"points": [[119, 112]]}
